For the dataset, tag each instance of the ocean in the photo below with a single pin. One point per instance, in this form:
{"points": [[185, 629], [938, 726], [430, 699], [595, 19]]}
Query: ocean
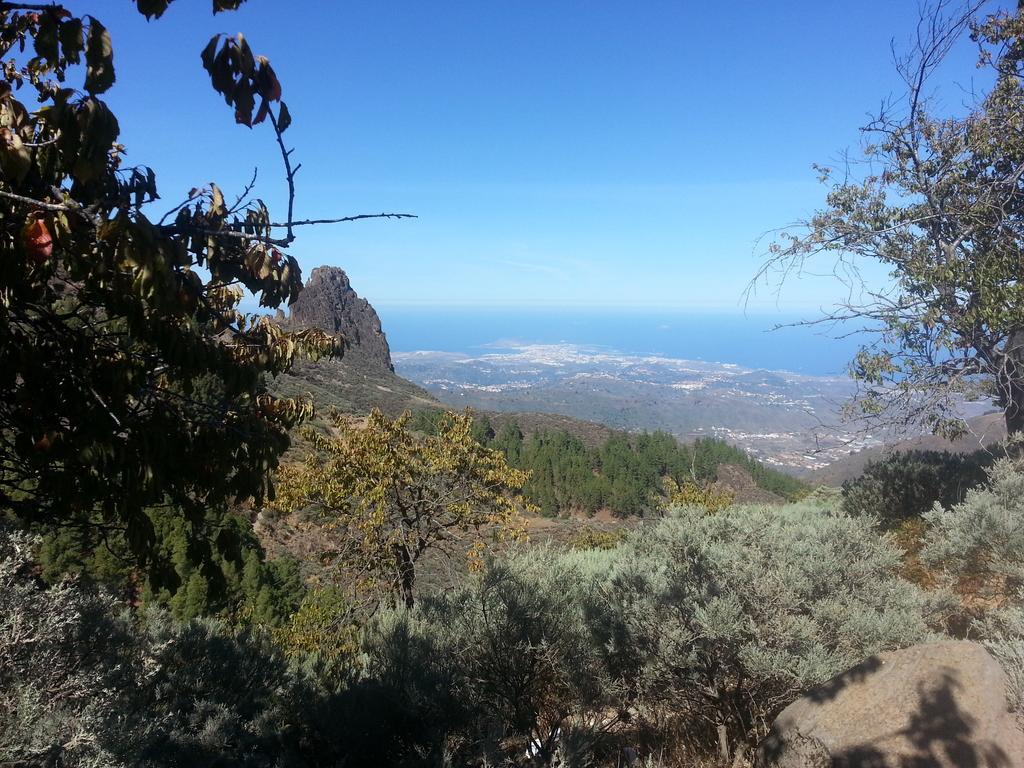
{"points": [[745, 340]]}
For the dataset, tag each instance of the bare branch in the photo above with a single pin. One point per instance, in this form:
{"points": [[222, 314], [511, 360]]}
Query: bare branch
{"points": [[53, 207], [289, 174], [343, 219], [240, 200]]}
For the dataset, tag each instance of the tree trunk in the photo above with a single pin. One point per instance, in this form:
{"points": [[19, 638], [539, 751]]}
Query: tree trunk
{"points": [[406, 574], [1015, 413], [1012, 385], [723, 744]]}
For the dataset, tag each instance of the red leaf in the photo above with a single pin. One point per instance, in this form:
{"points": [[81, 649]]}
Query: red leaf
{"points": [[38, 241]]}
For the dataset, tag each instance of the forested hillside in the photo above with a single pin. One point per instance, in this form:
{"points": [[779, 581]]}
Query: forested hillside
{"points": [[629, 474]]}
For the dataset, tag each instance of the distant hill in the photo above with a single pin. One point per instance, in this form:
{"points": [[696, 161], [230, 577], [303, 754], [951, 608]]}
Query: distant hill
{"points": [[787, 419], [363, 378]]}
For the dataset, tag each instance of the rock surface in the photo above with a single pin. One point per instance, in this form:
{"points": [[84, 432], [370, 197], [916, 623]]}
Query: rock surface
{"points": [[937, 705], [328, 302]]}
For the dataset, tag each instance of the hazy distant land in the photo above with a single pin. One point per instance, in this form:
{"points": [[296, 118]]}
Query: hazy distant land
{"points": [[785, 419], [788, 420]]}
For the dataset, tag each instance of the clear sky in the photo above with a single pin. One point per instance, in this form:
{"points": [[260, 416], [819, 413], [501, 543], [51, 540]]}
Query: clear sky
{"points": [[557, 153]]}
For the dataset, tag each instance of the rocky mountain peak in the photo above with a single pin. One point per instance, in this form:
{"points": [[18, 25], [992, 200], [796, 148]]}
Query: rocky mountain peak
{"points": [[328, 302]]}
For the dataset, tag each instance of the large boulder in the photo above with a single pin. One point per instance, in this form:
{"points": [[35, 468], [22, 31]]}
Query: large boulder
{"points": [[937, 705]]}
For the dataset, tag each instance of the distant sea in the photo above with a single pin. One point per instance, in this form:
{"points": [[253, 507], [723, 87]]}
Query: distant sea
{"points": [[748, 341]]}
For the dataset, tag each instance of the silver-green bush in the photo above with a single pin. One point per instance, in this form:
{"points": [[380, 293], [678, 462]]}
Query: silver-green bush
{"points": [[726, 618], [709, 622], [60, 666], [979, 546]]}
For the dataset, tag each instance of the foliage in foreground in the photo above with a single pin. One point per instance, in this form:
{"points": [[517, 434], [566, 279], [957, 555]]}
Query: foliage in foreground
{"points": [[131, 378], [688, 635], [706, 624], [84, 681], [978, 546]]}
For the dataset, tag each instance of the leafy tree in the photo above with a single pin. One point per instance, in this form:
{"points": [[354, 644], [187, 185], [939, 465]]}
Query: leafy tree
{"points": [[510, 442], [395, 496], [705, 497], [215, 567], [939, 206], [322, 636], [630, 474], [130, 376]]}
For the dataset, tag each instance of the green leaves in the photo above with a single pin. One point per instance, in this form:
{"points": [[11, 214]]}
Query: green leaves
{"points": [[99, 58], [385, 490], [240, 77], [154, 9], [130, 378]]}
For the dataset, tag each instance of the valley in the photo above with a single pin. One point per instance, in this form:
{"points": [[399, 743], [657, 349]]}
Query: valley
{"points": [[787, 420]]}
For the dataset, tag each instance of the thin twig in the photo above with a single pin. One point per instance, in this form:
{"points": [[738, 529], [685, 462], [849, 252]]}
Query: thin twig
{"points": [[281, 242], [343, 219], [245, 192], [289, 174], [48, 142]]}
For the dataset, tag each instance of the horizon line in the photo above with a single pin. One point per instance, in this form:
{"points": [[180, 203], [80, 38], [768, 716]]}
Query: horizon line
{"points": [[541, 304]]}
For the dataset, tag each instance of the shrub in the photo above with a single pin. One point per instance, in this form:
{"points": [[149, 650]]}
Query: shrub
{"points": [[82, 685], [706, 497], [978, 545], [61, 662], [726, 618], [502, 667], [1002, 632], [903, 486], [596, 538], [209, 696], [703, 625]]}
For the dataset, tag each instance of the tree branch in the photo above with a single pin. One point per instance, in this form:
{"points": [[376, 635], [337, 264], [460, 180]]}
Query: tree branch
{"points": [[343, 219], [289, 173], [31, 7], [54, 207]]}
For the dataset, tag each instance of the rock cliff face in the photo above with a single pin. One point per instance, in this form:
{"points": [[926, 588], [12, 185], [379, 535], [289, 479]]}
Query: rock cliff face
{"points": [[328, 302]]}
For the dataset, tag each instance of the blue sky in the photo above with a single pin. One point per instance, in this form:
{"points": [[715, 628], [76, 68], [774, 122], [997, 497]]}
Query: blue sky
{"points": [[557, 153]]}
